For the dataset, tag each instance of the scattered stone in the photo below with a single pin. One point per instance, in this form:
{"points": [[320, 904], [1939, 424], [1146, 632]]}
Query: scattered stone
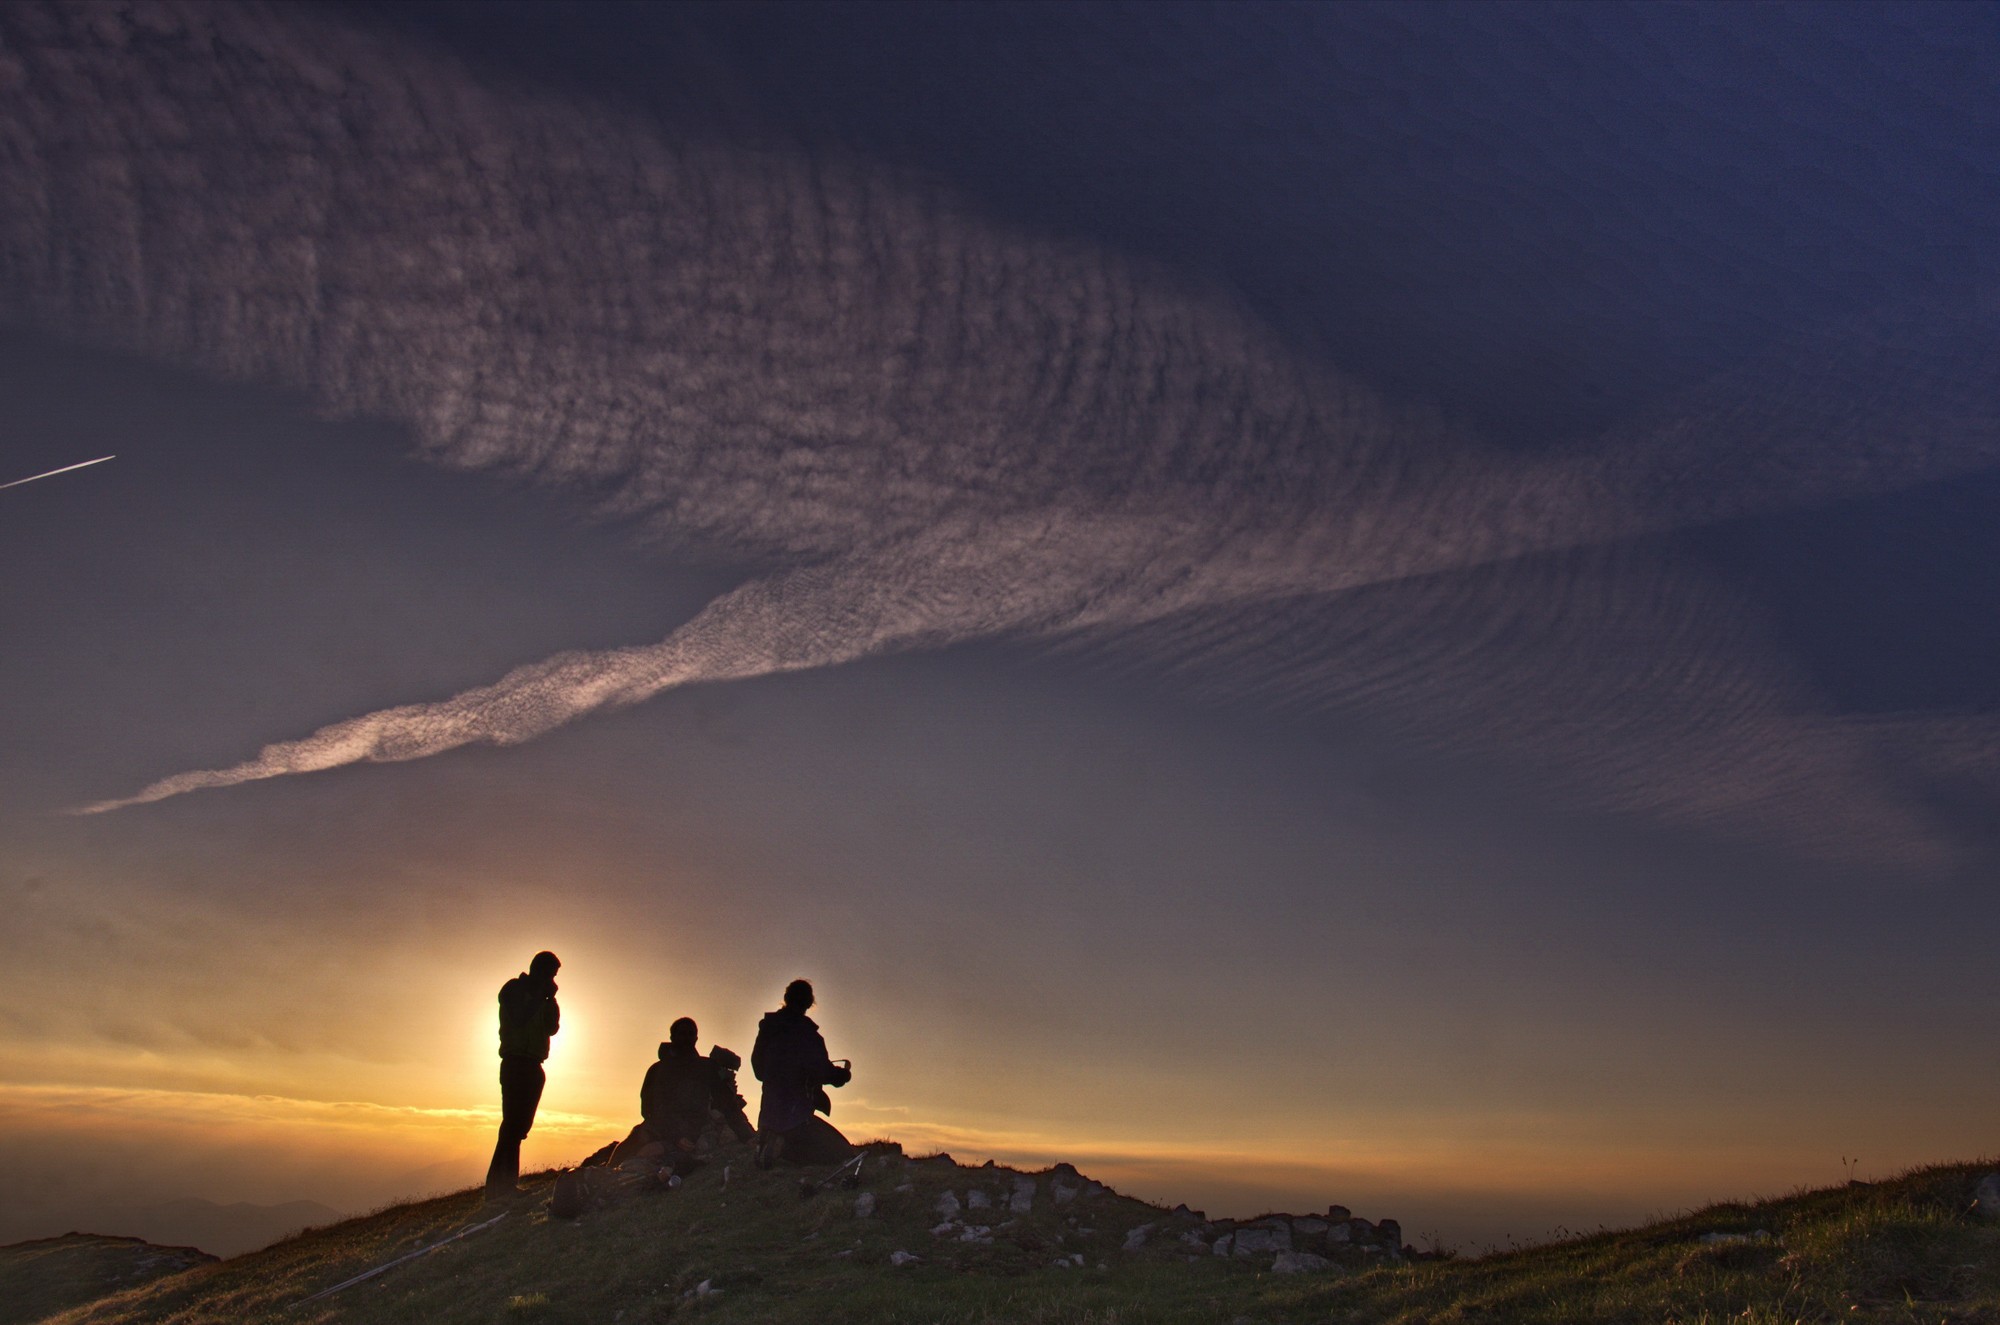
{"points": [[1023, 1199], [1062, 1193], [1077, 1260], [945, 1230], [907, 1187], [1309, 1228], [1194, 1238], [1255, 1241], [1986, 1198], [977, 1200], [978, 1233], [864, 1205], [1137, 1237], [946, 1205], [1339, 1233], [900, 1258], [1299, 1262], [1094, 1189], [1224, 1245]]}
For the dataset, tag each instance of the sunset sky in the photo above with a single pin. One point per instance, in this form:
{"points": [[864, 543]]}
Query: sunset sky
{"points": [[1292, 604]]}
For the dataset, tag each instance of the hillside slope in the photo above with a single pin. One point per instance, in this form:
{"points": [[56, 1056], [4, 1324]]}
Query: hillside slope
{"points": [[48, 1275], [746, 1246]]}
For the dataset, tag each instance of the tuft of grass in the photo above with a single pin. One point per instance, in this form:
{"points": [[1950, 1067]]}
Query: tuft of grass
{"points": [[1904, 1250]]}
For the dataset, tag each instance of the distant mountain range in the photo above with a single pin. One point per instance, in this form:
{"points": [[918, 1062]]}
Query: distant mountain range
{"points": [[221, 1230]]}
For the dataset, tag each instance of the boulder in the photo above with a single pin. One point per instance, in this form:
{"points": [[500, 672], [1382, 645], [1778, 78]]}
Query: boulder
{"points": [[1062, 1193], [1023, 1198], [946, 1205], [1338, 1214], [903, 1258], [1986, 1197], [1299, 1262], [1224, 1245], [1260, 1240], [1137, 1237], [977, 1200], [864, 1205]]}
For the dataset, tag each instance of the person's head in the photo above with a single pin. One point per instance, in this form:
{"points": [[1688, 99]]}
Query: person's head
{"points": [[682, 1033], [799, 995], [545, 965]]}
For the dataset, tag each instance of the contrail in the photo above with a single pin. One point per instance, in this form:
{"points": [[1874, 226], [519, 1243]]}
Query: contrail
{"points": [[53, 472]]}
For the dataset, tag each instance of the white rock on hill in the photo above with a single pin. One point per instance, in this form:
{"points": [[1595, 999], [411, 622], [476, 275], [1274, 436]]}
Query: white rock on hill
{"points": [[1299, 1262]]}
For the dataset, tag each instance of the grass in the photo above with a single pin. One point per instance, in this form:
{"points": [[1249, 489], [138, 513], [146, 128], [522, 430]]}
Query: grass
{"points": [[1905, 1250]]}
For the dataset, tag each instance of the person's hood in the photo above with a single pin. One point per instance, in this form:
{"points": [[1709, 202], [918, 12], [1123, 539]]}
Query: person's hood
{"points": [[668, 1049]]}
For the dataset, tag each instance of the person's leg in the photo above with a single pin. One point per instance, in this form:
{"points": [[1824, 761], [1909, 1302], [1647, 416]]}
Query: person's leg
{"points": [[521, 1085]]}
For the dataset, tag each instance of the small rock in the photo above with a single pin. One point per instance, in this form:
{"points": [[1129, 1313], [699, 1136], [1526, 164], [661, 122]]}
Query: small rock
{"points": [[977, 1233], [864, 1205], [1224, 1244], [977, 1200], [1254, 1241], [907, 1187], [946, 1229], [1137, 1237], [1194, 1238], [1299, 1262], [1986, 1197], [903, 1258], [1076, 1259]]}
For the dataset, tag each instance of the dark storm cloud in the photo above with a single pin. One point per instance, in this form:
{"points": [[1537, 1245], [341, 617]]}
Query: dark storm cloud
{"points": [[936, 428]]}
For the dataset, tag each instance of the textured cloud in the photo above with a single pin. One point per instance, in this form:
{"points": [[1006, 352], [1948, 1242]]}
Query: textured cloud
{"points": [[935, 428]]}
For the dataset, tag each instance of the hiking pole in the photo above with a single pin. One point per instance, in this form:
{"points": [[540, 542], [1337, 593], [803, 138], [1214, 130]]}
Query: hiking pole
{"points": [[809, 1188], [390, 1265]]}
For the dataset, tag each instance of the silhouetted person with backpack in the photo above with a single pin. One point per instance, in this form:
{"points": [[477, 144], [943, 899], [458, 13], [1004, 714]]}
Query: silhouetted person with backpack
{"points": [[683, 1095], [790, 1059], [528, 1017]]}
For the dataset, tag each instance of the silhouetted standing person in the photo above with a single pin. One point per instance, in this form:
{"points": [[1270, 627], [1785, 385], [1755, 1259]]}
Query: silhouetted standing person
{"points": [[528, 1017], [790, 1059]]}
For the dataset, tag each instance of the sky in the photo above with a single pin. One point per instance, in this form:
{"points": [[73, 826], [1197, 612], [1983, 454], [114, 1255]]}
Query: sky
{"points": [[1292, 604]]}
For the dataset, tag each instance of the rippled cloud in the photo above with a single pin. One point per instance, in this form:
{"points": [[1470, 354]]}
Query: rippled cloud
{"points": [[935, 428]]}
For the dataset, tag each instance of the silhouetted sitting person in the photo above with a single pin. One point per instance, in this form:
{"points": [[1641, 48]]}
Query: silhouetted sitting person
{"points": [[528, 1017], [683, 1095], [790, 1059]]}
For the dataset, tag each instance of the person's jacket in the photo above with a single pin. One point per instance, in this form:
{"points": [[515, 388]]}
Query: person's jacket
{"points": [[528, 1017], [790, 1059], [680, 1087]]}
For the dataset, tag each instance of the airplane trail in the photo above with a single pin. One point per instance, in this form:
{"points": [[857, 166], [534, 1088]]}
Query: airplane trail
{"points": [[937, 428], [86, 464]]}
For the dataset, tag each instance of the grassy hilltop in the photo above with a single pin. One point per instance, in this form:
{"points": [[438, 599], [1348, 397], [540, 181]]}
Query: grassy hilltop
{"points": [[753, 1249]]}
